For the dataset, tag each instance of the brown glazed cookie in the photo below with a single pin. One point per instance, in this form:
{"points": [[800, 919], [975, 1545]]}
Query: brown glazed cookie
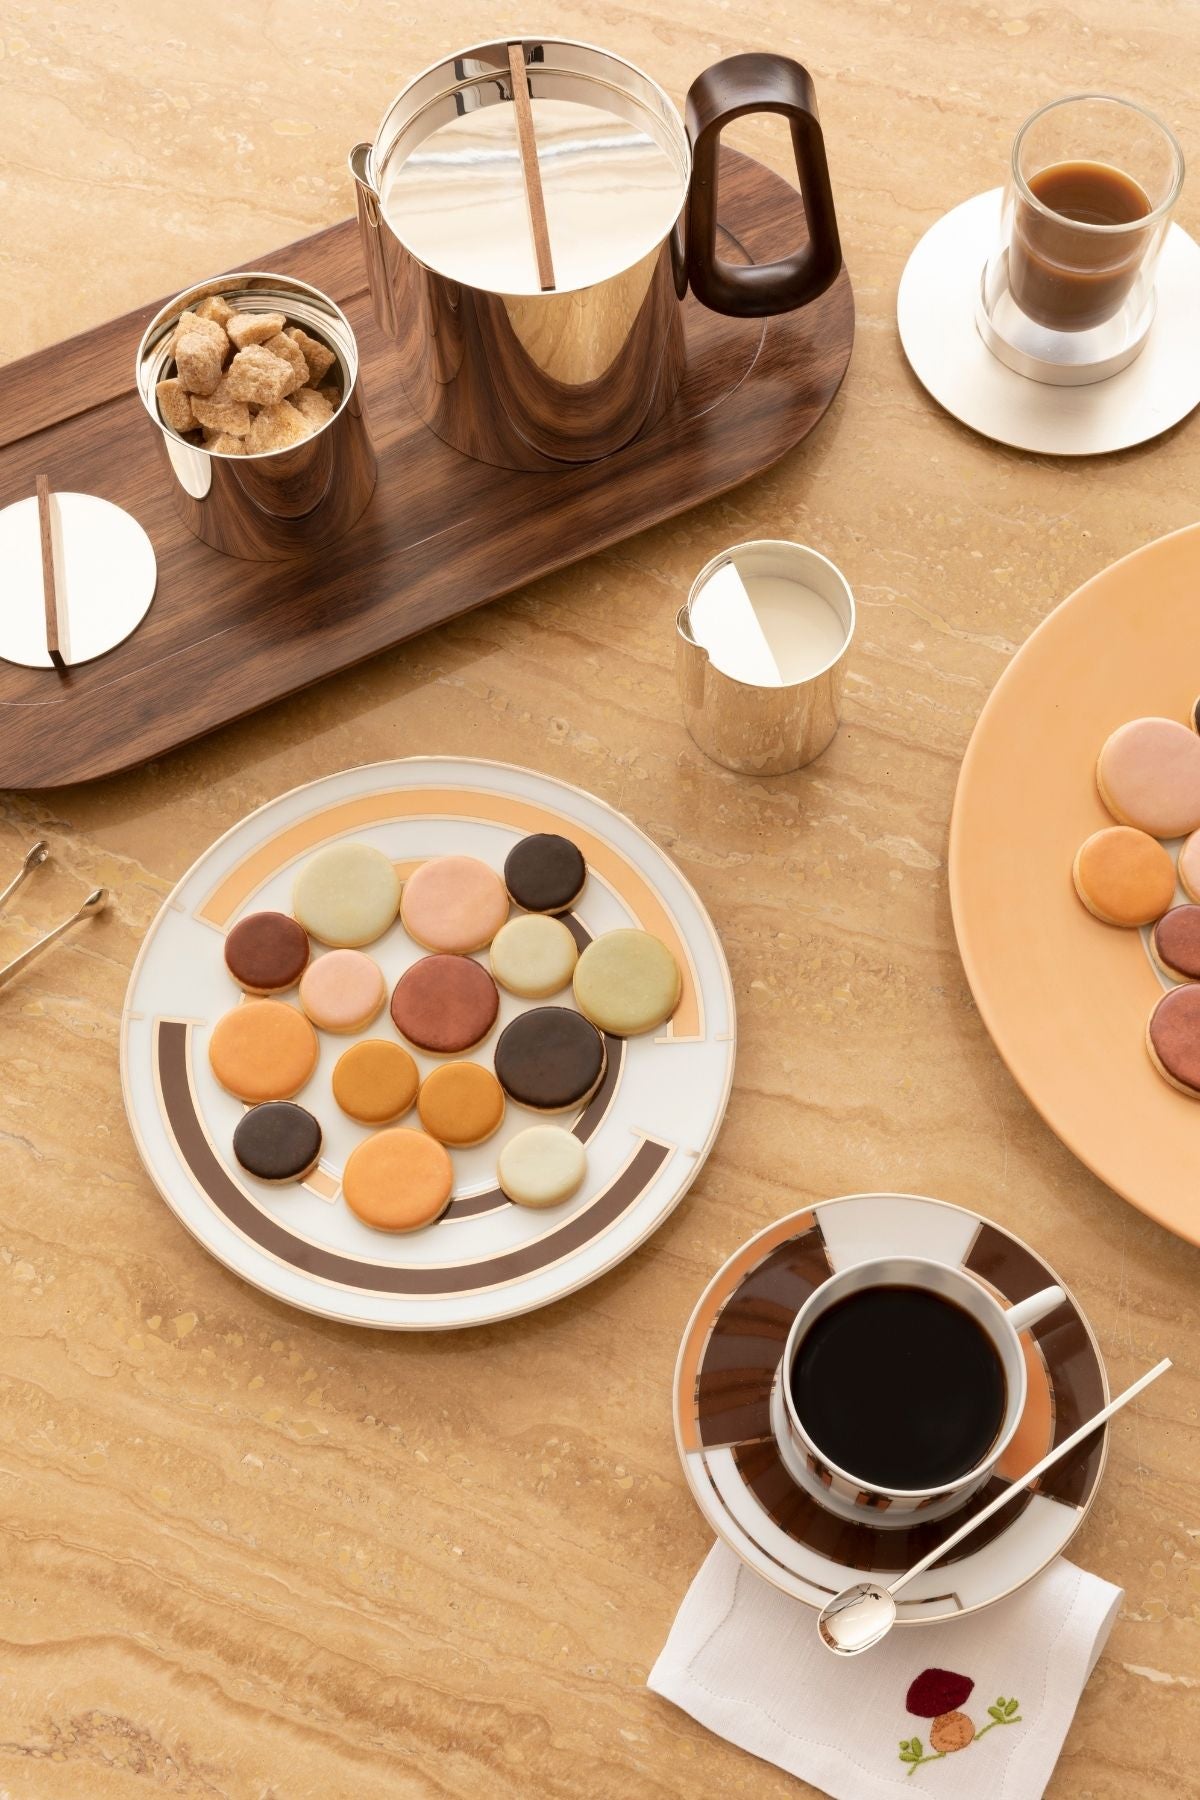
{"points": [[1175, 943], [446, 1004], [267, 952], [1173, 1038]]}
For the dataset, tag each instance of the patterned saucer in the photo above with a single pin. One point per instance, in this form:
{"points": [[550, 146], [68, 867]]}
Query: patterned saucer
{"points": [[727, 1366]]}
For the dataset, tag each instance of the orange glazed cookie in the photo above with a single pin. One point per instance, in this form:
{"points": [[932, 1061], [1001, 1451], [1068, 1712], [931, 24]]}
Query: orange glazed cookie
{"points": [[398, 1180], [1123, 876], [461, 1103], [263, 1050], [1149, 776], [375, 1081]]}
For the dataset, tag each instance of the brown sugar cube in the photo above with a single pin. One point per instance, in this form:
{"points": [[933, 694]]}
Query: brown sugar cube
{"points": [[312, 406], [253, 328], [215, 308], [332, 396], [282, 346], [175, 406], [275, 427], [318, 356], [189, 322], [257, 376], [220, 412], [224, 443], [198, 359]]}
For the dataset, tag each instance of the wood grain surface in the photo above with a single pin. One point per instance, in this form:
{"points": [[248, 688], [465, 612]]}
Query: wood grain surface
{"points": [[249, 1554], [441, 534]]}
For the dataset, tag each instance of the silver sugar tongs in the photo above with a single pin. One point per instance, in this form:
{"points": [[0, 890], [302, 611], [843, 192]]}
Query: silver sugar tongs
{"points": [[94, 903], [33, 860]]}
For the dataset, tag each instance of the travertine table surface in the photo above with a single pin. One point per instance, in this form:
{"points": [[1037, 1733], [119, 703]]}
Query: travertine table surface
{"points": [[248, 1553]]}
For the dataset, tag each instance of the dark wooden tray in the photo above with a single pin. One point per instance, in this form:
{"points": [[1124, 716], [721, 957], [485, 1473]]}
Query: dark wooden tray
{"points": [[441, 535]]}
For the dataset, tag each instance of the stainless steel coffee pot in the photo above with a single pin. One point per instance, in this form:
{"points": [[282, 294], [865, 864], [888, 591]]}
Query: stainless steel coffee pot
{"points": [[532, 212]]}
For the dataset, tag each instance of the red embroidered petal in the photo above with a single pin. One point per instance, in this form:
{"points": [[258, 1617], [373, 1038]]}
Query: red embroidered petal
{"points": [[937, 1691]]}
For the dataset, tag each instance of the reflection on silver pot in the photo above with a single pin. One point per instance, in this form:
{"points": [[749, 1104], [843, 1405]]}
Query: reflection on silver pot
{"points": [[271, 503], [522, 214]]}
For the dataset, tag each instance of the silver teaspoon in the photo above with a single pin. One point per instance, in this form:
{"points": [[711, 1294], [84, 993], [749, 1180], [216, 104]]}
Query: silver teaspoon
{"points": [[34, 858], [863, 1614]]}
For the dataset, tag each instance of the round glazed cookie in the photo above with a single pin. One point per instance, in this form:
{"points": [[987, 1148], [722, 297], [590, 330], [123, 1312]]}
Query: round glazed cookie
{"points": [[534, 956], [1173, 1038], [1188, 866], [550, 1058], [347, 895], [263, 1050], [545, 873], [454, 904], [342, 990], [278, 1141], [1175, 943], [461, 1103], [398, 1180], [375, 1081], [267, 952], [446, 1004], [1122, 876], [542, 1166], [1149, 776], [1194, 715], [628, 981]]}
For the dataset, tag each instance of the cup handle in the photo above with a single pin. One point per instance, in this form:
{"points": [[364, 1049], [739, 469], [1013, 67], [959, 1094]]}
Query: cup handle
{"points": [[1028, 1312], [758, 83]]}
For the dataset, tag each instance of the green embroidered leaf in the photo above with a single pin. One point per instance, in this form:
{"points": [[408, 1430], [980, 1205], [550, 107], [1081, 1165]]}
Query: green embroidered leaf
{"points": [[1001, 1701], [996, 1712], [1011, 1708]]}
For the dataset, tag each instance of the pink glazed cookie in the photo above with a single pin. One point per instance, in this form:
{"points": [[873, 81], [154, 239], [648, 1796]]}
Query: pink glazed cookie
{"points": [[1188, 867], [1149, 776], [342, 990], [456, 904]]}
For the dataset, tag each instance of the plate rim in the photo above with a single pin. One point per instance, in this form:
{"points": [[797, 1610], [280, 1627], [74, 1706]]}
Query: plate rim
{"points": [[928, 1200], [508, 1313], [956, 881]]}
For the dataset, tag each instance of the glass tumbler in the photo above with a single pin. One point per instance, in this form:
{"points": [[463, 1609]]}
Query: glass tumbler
{"points": [[1067, 296]]}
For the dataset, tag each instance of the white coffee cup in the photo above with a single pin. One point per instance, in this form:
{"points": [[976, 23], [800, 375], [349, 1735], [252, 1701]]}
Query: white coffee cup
{"points": [[849, 1494]]}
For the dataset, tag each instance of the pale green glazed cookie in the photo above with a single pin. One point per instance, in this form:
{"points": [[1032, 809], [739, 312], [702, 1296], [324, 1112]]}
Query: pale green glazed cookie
{"points": [[627, 982], [542, 1166]]}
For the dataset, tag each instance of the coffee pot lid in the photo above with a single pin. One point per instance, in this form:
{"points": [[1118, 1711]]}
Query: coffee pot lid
{"points": [[535, 166]]}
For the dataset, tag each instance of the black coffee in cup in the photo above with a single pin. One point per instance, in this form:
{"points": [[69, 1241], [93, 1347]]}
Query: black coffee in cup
{"points": [[899, 1387]]}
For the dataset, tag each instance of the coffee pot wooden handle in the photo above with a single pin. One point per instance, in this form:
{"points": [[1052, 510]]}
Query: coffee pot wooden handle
{"points": [[758, 83]]}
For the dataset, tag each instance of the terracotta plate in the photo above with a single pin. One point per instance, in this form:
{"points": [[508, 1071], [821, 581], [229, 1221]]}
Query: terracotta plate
{"points": [[647, 1130], [727, 1367], [1066, 998]]}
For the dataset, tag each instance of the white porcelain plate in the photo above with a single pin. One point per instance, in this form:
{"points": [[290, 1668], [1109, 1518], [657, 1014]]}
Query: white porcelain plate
{"points": [[727, 1369], [647, 1131]]}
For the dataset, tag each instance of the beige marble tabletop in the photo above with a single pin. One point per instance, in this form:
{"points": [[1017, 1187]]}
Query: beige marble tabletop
{"points": [[248, 1553]]}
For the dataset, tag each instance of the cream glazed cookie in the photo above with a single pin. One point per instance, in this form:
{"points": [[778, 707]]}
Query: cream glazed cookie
{"points": [[1148, 774], [1122, 876], [542, 1166], [534, 956], [347, 895]]}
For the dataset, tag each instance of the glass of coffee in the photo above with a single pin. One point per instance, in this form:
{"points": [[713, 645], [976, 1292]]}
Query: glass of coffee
{"points": [[1068, 294], [902, 1384]]}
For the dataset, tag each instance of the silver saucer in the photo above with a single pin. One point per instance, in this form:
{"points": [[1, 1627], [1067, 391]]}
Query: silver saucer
{"points": [[935, 311]]}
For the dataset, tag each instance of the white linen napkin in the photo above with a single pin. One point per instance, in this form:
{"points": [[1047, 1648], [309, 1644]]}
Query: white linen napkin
{"points": [[974, 1707]]}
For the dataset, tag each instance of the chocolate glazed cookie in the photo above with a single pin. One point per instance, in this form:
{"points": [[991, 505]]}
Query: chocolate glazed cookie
{"points": [[545, 873], [277, 1141], [550, 1058]]}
